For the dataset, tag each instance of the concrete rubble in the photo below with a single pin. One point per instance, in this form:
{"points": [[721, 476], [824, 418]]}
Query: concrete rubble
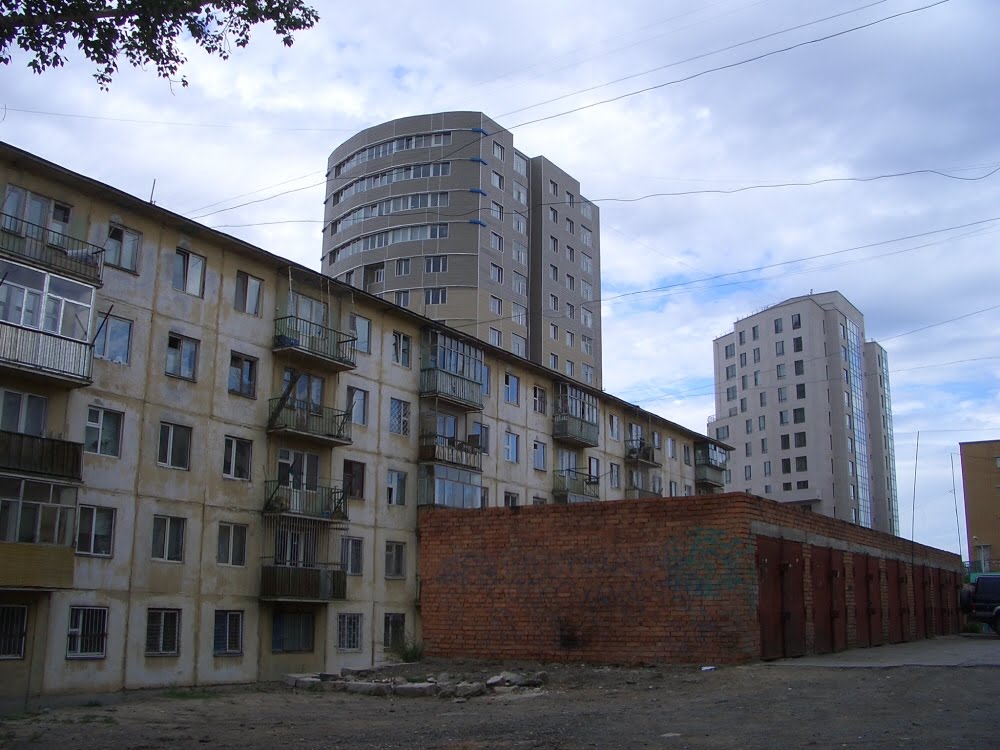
{"points": [[367, 682]]}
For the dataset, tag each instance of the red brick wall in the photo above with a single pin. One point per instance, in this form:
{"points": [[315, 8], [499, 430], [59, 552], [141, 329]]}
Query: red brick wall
{"points": [[647, 581]]}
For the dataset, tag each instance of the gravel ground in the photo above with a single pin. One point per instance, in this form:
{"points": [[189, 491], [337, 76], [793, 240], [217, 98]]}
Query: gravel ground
{"points": [[754, 706]]}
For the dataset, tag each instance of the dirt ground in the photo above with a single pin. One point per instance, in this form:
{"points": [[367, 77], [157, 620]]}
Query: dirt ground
{"points": [[755, 706]]}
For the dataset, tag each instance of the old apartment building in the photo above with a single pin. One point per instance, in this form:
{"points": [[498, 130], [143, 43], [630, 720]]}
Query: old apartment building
{"points": [[805, 400], [211, 459], [981, 488], [511, 250]]}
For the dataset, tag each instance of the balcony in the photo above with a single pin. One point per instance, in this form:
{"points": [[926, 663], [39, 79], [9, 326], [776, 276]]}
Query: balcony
{"points": [[319, 423], [710, 466], [638, 451], [451, 388], [575, 487], [318, 582], [37, 354], [23, 241], [575, 431], [708, 474], [48, 457], [321, 503], [450, 450], [36, 536], [639, 493], [302, 339]]}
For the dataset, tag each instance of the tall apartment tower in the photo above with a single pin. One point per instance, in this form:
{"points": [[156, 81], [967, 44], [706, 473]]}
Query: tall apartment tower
{"points": [[980, 479], [805, 401], [441, 214]]}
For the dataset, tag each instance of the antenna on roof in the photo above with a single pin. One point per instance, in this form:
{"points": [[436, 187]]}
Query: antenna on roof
{"points": [[151, 191]]}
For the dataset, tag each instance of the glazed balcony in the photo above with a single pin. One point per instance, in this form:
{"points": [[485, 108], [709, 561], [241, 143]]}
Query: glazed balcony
{"points": [[575, 487], [316, 582], [304, 340], [451, 388], [638, 451], [324, 503], [319, 423], [36, 536], [712, 476], [41, 355], [450, 450], [710, 466], [572, 430], [48, 457], [60, 253]]}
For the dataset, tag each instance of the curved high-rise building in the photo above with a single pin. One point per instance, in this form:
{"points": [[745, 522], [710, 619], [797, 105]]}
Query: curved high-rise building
{"points": [[441, 214]]}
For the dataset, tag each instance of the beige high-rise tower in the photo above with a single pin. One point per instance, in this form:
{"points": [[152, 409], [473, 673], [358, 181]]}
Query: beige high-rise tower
{"points": [[805, 401], [441, 214]]}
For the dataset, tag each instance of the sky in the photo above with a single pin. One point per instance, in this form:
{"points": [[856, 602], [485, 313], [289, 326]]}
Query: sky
{"points": [[726, 101]]}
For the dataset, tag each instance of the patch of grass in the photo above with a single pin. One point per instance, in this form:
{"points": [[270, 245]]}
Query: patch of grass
{"points": [[410, 652], [189, 693]]}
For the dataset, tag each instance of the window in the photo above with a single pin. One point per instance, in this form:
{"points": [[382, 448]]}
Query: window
{"points": [[586, 263], [799, 415], [730, 351], [163, 629], [743, 404], [800, 368], [749, 426], [538, 455], [402, 266], [351, 559], [349, 631], [292, 632], [520, 164], [586, 236], [763, 445], [786, 466], [354, 479], [586, 290], [570, 367], [722, 433], [498, 151], [394, 631], [357, 404], [614, 427], [800, 440], [796, 321], [496, 210], [778, 325], [554, 273], [248, 293], [242, 375], [113, 340], [783, 417], [785, 442], [486, 380], [232, 546], [731, 393], [539, 399], [801, 463], [496, 179], [402, 297], [570, 226], [520, 193], [95, 530], [746, 472], [175, 446], [395, 560], [779, 348], [88, 632], [511, 388], [767, 468], [731, 372], [520, 224], [395, 483], [742, 337], [803, 484], [553, 302], [511, 447], [756, 354], [496, 305], [519, 314], [614, 475], [13, 630], [436, 296], [748, 450], [496, 273], [553, 244], [797, 344], [571, 282], [554, 361], [781, 372], [104, 432], [189, 273], [570, 339], [761, 422], [182, 356], [510, 499], [227, 636], [121, 249], [518, 345], [435, 264], [763, 398], [401, 344], [800, 390], [236, 458], [482, 432], [553, 215], [362, 328], [168, 538], [586, 317], [587, 344], [553, 331], [743, 359], [399, 416]]}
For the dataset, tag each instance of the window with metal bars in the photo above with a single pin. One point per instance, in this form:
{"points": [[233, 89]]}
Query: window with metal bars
{"points": [[227, 637], [88, 633], [163, 628], [13, 627]]}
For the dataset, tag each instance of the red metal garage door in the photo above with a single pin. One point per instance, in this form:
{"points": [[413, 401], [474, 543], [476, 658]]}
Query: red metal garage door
{"points": [[781, 600], [838, 600], [920, 612], [822, 597]]}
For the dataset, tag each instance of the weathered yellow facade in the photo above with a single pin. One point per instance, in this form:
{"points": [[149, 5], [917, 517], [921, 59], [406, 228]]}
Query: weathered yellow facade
{"points": [[235, 447]]}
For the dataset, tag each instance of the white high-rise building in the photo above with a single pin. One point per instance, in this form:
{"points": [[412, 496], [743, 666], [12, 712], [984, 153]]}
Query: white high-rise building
{"points": [[804, 400]]}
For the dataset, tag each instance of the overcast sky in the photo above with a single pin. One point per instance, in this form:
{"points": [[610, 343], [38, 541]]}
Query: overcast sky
{"points": [[917, 92]]}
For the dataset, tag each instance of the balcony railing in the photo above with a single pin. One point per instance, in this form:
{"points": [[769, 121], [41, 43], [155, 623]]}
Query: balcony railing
{"points": [[38, 352], [709, 474], [575, 486], [38, 455], [450, 450], [321, 422], [320, 502], [637, 450], [641, 493], [57, 252], [574, 430], [451, 387], [313, 340], [317, 582]]}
